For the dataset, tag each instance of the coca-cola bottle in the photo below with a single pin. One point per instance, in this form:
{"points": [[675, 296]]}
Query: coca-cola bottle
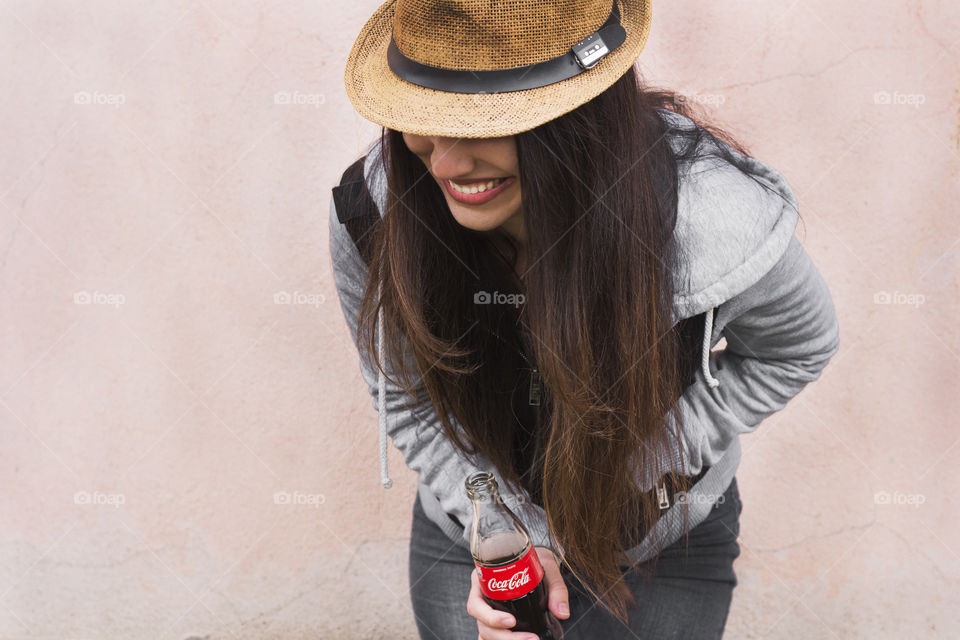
{"points": [[510, 573]]}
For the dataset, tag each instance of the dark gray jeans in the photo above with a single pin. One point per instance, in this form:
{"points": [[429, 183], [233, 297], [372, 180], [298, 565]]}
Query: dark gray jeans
{"points": [[689, 596]]}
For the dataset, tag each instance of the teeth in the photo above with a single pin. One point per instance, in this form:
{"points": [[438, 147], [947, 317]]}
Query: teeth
{"points": [[476, 188]]}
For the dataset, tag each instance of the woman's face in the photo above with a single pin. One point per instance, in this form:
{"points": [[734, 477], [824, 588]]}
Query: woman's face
{"points": [[479, 177]]}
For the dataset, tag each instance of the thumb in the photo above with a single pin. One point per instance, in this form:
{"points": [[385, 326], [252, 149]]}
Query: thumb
{"points": [[559, 599]]}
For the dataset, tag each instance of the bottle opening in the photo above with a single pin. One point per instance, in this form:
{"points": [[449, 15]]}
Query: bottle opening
{"points": [[481, 485]]}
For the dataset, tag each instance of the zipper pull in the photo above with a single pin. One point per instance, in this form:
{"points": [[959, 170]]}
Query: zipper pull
{"points": [[533, 398], [662, 496]]}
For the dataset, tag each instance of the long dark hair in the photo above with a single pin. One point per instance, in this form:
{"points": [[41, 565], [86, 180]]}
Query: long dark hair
{"points": [[599, 189]]}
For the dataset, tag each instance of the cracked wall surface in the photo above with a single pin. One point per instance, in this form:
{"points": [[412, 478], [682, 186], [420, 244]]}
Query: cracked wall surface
{"points": [[188, 449]]}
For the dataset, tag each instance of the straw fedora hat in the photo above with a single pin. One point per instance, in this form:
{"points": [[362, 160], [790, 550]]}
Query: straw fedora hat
{"points": [[489, 68]]}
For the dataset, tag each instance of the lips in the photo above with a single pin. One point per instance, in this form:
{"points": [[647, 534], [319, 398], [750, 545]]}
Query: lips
{"points": [[476, 191]]}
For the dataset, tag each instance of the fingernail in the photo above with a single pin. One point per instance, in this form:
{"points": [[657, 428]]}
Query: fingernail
{"points": [[507, 620], [563, 608]]}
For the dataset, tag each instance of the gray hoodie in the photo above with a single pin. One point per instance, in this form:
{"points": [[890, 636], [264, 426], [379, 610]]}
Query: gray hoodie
{"points": [[739, 263]]}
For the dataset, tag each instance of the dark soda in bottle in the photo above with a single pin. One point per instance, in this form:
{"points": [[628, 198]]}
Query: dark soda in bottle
{"points": [[510, 573]]}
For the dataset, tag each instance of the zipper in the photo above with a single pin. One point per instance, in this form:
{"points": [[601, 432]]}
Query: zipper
{"points": [[535, 390]]}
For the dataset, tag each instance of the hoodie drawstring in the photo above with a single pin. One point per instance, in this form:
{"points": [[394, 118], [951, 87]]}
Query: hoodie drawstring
{"points": [[382, 395], [705, 356]]}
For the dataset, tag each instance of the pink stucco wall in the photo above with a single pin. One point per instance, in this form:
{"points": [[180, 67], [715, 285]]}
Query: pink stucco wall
{"points": [[159, 402]]}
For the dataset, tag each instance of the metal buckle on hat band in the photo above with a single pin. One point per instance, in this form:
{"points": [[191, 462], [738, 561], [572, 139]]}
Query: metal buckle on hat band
{"points": [[589, 50], [580, 57]]}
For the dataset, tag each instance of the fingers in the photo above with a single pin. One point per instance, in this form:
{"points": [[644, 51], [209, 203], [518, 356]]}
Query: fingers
{"points": [[496, 625], [486, 615], [559, 598]]}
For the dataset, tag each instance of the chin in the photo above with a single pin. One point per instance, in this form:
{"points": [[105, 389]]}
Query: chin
{"points": [[476, 220]]}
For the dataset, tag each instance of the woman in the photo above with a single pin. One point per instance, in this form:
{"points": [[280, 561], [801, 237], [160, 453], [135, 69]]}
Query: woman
{"points": [[534, 261]]}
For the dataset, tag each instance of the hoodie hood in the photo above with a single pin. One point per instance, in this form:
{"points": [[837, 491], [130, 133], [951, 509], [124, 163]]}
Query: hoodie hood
{"points": [[729, 232]]}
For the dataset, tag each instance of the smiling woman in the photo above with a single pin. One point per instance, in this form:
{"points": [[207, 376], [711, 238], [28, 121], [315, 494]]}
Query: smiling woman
{"points": [[622, 225], [594, 203]]}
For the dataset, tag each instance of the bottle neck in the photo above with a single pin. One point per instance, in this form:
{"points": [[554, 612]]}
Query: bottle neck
{"points": [[497, 535], [482, 487]]}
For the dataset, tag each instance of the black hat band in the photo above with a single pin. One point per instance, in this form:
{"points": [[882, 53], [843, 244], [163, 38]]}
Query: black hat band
{"points": [[581, 56]]}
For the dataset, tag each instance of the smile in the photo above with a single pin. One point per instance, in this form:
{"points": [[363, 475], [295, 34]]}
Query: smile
{"points": [[477, 192]]}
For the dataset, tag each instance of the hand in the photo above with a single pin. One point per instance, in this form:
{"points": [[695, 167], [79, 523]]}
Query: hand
{"points": [[495, 625]]}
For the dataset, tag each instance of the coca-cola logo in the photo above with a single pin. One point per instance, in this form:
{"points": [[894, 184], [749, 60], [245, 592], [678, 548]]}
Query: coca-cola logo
{"points": [[515, 581]]}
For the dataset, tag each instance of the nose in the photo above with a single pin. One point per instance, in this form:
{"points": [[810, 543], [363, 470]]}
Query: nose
{"points": [[450, 158]]}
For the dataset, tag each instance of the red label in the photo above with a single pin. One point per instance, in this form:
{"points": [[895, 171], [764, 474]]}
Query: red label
{"points": [[511, 580]]}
